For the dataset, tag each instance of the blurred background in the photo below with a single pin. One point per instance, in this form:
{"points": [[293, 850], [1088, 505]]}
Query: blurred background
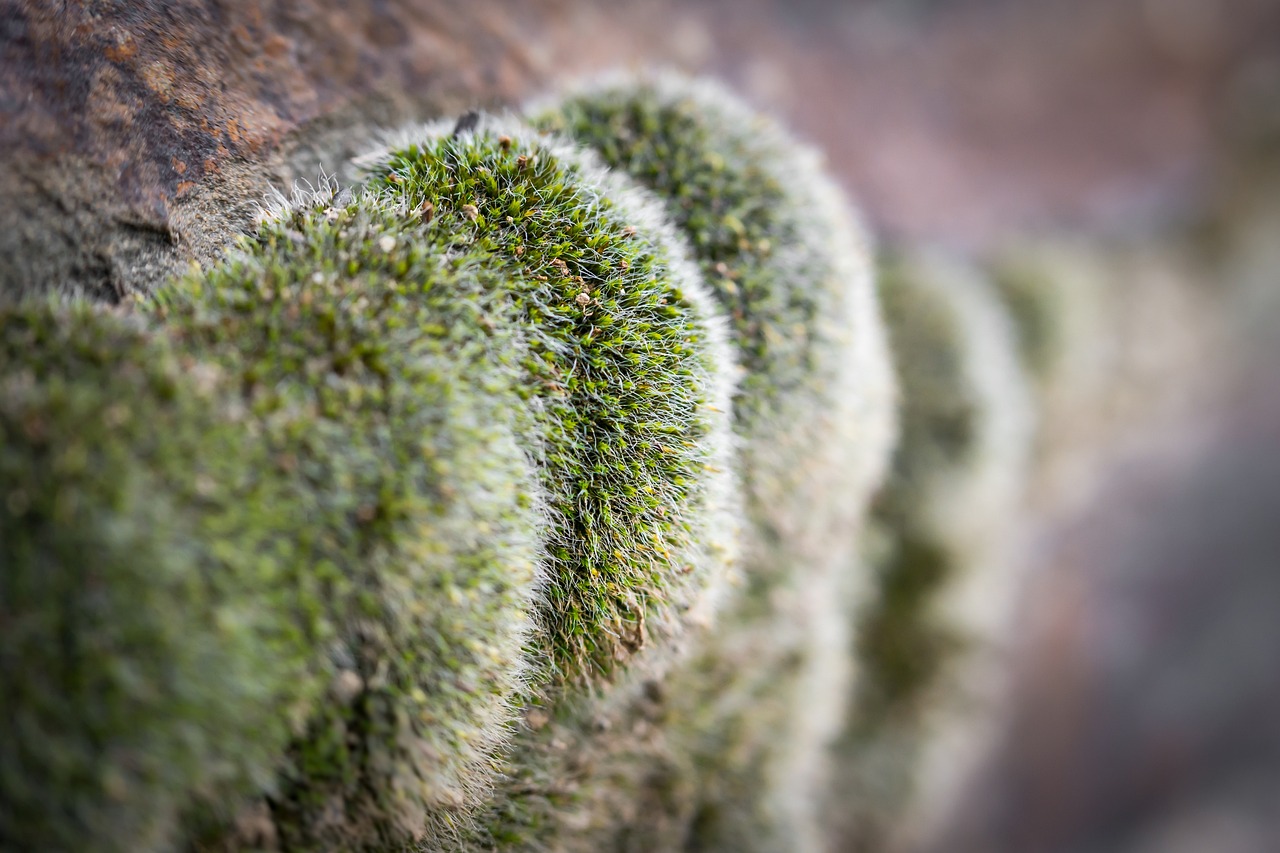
{"points": [[973, 120]]}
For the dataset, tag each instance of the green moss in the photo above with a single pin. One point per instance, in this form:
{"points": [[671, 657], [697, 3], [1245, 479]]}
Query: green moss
{"points": [[940, 410], [391, 363], [379, 373], [1036, 309], [626, 368], [138, 672], [899, 648], [394, 361], [791, 269], [951, 495], [779, 250], [736, 211]]}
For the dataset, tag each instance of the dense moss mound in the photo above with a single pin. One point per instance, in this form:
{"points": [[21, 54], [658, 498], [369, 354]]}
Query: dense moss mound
{"points": [[627, 368], [789, 266], [784, 258], [1034, 307], [142, 530], [934, 533], [388, 368], [899, 646], [379, 374], [454, 445]]}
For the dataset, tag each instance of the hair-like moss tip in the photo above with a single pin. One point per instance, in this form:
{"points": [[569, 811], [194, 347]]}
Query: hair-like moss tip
{"points": [[627, 368]]}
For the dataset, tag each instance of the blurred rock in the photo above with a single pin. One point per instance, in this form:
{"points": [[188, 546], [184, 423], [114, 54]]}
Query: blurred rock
{"points": [[139, 134]]}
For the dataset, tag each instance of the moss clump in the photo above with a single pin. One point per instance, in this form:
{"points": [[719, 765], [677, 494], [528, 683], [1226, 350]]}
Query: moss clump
{"points": [[141, 529], [783, 257], [900, 646], [788, 265], [627, 369], [379, 374], [1044, 307], [395, 360], [933, 540]]}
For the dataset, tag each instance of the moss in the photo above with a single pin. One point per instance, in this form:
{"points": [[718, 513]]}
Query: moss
{"points": [[380, 376], [736, 212], [934, 533], [497, 352], [781, 253], [899, 647], [1035, 306], [902, 650], [787, 263], [138, 672], [626, 368], [395, 360]]}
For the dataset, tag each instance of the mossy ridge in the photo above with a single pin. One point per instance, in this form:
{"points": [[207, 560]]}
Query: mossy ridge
{"points": [[954, 487], [788, 263], [785, 258], [597, 770], [628, 368], [1032, 301], [1076, 306], [139, 673], [381, 374]]}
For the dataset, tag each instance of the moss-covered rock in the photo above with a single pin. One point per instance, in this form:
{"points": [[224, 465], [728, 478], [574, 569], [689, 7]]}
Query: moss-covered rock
{"points": [[395, 359], [380, 374], [141, 532], [493, 354], [628, 370], [739, 757], [935, 543]]}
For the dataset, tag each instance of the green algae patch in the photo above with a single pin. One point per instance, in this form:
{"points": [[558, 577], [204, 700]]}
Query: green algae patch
{"points": [[626, 368], [139, 672]]}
